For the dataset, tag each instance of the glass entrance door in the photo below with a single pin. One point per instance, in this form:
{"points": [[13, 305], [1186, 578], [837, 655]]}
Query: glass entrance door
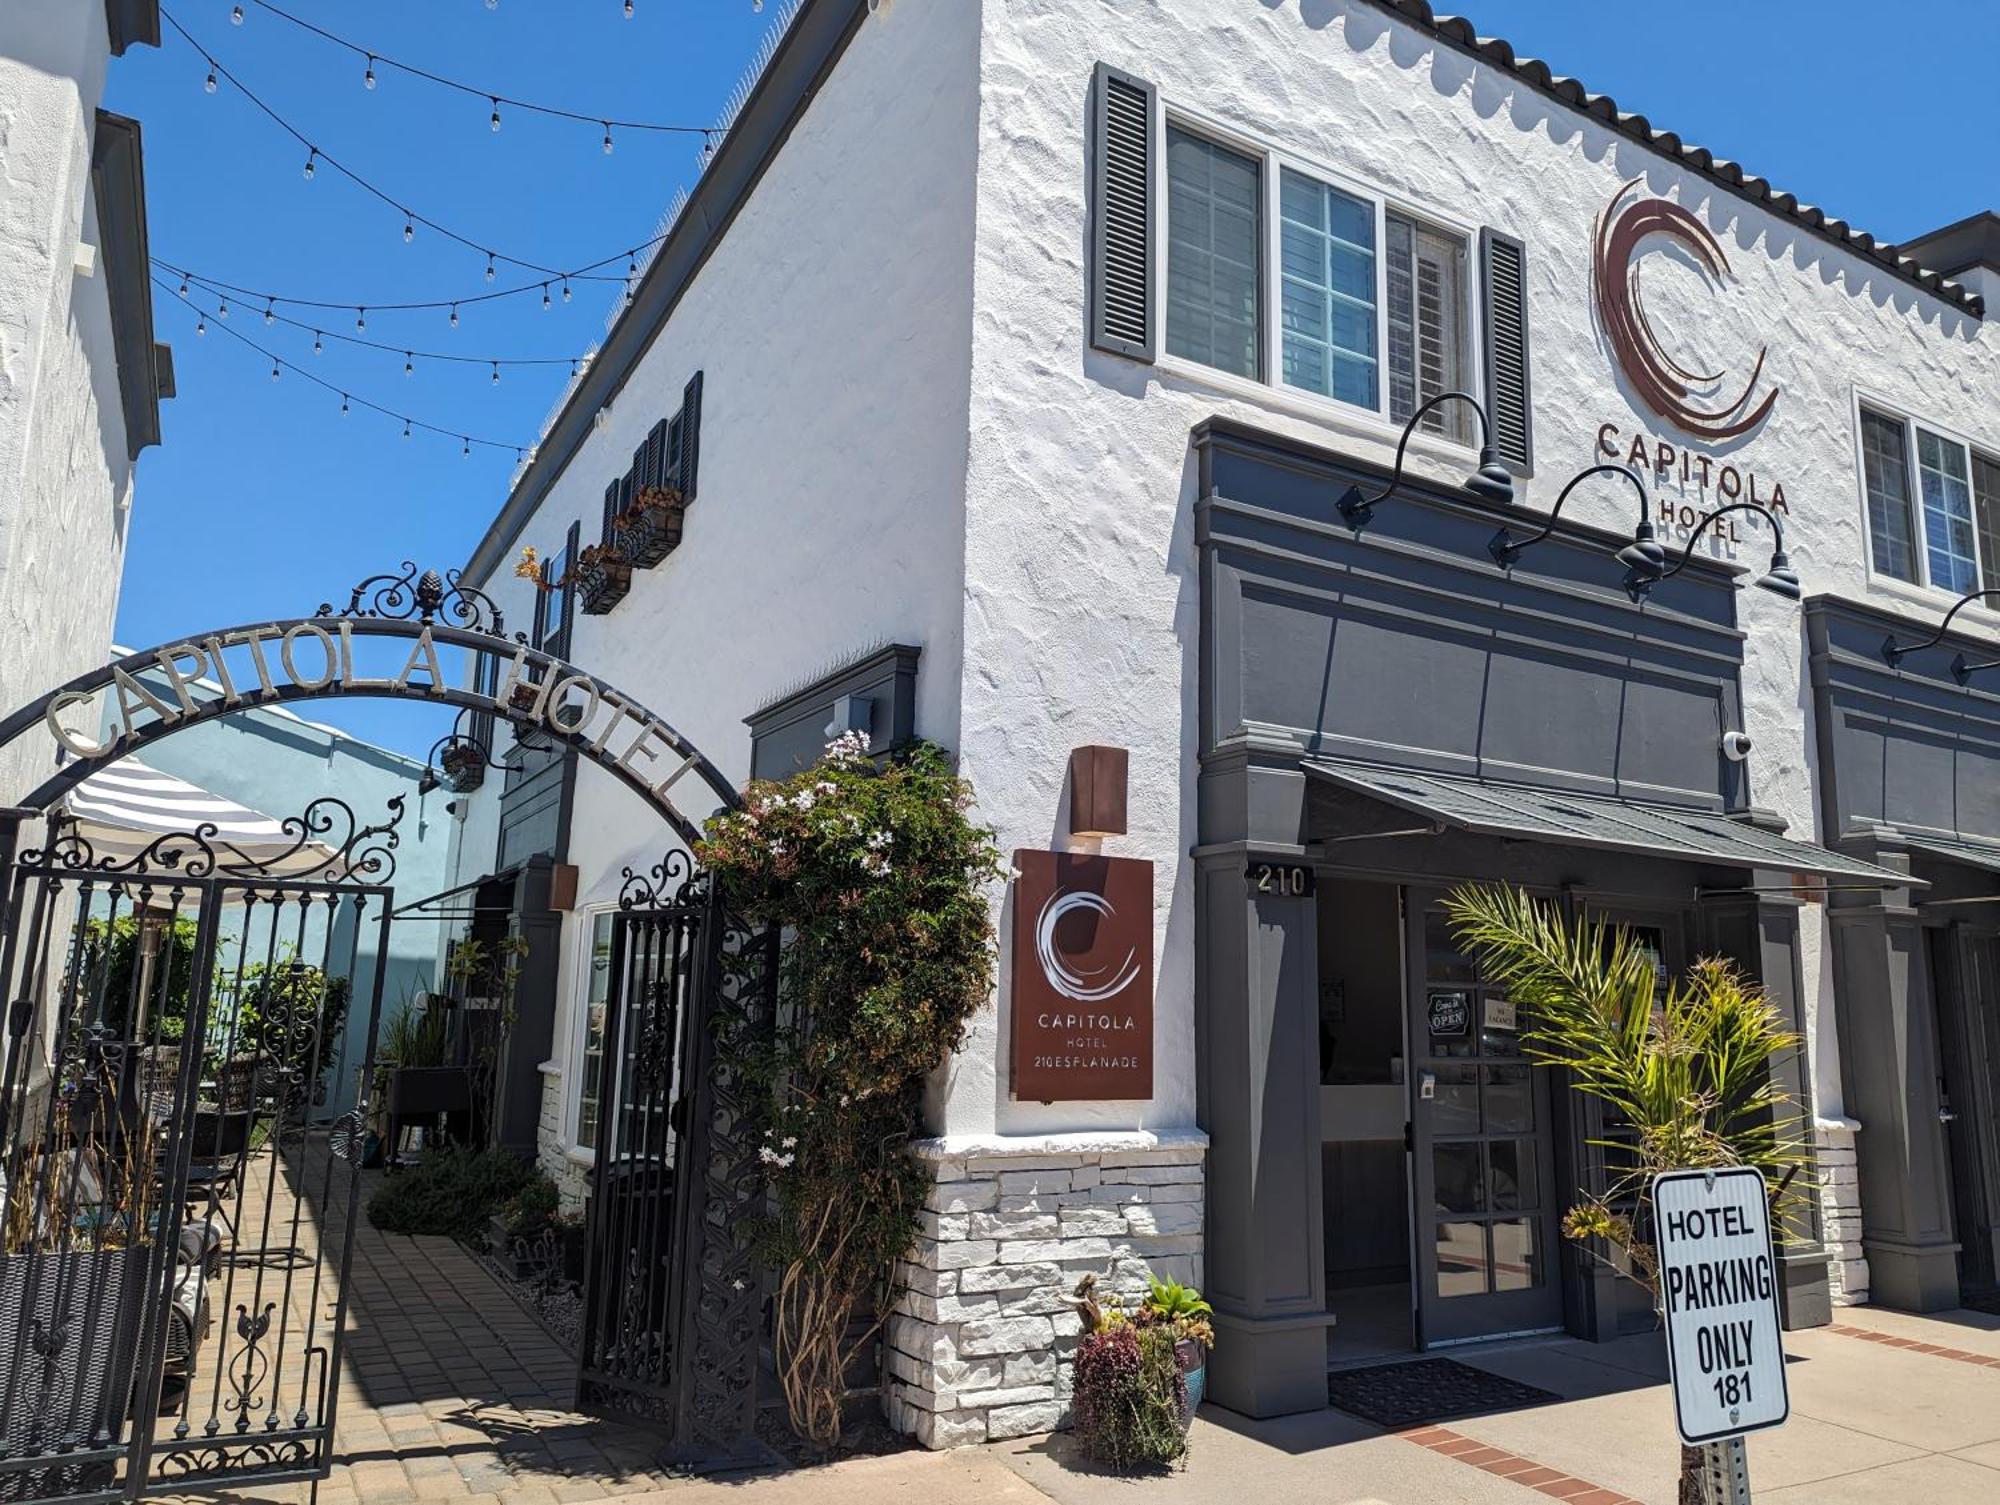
{"points": [[1483, 1158]]}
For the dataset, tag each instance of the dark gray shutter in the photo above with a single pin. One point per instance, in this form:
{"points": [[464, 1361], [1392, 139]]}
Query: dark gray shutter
{"points": [[612, 507], [658, 472], [1504, 293], [1120, 270], [690, 435]]}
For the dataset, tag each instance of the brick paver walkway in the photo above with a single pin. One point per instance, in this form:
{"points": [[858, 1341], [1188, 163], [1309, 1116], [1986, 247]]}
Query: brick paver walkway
{"points": [[449, 1389]]}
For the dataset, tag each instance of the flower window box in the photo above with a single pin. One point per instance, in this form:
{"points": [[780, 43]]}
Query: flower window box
{"points": [[650, 529], [601, 578]]}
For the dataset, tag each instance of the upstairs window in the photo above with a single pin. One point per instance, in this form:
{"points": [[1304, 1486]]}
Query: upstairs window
{"points": [[1933, 505], [1326, 247], [1212, 220], [1428, 332]]}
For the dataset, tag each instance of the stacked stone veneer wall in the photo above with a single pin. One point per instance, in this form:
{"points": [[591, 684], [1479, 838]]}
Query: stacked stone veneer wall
{"points": [[1840, 1211], [552, 1153], [981, 1338]]}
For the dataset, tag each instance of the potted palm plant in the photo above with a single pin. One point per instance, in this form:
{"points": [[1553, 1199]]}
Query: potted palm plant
{"points": [[1688, 1069]]}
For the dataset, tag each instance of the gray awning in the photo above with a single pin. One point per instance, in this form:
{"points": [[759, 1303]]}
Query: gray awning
{"points": [[1979, 854], [1593, 820]]}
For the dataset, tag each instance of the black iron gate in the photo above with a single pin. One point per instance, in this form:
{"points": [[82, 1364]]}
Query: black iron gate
{"points": [[672, 1296], [176, 1214]]}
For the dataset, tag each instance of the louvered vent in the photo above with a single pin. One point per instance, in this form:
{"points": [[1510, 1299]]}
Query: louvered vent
{"points": [[1121, 271], [1507, 389]]}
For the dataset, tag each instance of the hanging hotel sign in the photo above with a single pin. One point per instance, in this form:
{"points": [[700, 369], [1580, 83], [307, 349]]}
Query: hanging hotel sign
{"points": [[1083, 977], [1698, 399], [1719, 1294]]}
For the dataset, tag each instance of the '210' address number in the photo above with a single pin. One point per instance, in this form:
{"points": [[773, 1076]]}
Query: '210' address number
{"points": [[1285, 880]]}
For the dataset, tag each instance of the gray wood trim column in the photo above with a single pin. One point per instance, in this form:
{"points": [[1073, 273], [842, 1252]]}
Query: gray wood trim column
{"points": [[1257, 1028], [1889, 1064], [1760, 934]]}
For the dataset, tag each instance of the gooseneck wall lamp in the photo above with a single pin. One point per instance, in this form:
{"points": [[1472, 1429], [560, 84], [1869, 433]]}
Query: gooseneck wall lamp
{"points": [[1961, 669], [1505, 549], [1645, 561], [1492, 480]]}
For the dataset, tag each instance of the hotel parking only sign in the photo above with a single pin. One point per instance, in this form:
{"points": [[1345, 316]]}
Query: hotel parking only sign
{"points": [[1083, 977], [1719, 1289]]}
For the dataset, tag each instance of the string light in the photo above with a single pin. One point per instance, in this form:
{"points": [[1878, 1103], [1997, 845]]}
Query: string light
{"points": [[406, 428], [545, 297], [184, 287], [360, 318], [270, 313], [343, 404], [200, 327], [593, 272], [489, 266], [368, 78], [565, 289], [495, 99], [411, 217], [409, 365], [467, 449], [318, 348], [409, 229], [235, 15], [274, 370], [607, 138], [208, 84], [312, 156], [454, 316], [222, 309], [628, 9], [496, 115]]}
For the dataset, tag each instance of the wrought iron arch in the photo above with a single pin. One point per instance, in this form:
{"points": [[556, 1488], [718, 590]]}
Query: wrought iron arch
{"points": [[427, 611]]}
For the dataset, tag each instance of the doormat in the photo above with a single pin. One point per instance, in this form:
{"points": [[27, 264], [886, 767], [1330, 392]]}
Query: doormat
{"points": [[1425, 1390]]}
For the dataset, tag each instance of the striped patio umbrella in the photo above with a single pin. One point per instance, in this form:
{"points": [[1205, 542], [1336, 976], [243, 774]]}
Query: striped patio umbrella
{"points": [[123, 808]]}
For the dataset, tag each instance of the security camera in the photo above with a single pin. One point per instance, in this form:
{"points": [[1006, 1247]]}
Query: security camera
{"points": [[1735, 746]]}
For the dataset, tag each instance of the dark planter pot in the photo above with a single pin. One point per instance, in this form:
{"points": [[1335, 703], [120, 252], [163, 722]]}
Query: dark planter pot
{"points": [[464, 769], [422, 1091], [572, 1253], [602, 585], [651, 531], [1192, 1360], [88, 1300]]}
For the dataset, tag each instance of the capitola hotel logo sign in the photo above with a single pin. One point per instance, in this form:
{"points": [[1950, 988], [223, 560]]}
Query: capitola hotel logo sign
{"points": [[1709, 406]]}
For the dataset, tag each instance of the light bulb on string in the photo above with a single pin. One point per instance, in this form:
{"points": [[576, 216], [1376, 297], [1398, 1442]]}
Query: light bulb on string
{"points": [[409, 363], [235, 15], [494, 124], [208, 84], [270, 311], [496, 373], [628, 9], [489, 266], [607, 138], [565, 289], [360, 318], [343, 404], [467, 450], [454, 316], [545, 297], [317, 347], [274, 370], [184, 286], [222, 309], [201, 326], [409, 228], [368, 78], [312, 157], [406, 428]]}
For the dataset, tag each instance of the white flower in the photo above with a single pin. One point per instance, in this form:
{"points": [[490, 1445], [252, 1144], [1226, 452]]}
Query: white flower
{"points": [[848, 747], [787, 1142], [880, 839], [806, 799], [739, 1284]]}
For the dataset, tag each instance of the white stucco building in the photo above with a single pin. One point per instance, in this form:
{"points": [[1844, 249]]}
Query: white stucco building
{"points": [[1027, 349], [80, 376]]}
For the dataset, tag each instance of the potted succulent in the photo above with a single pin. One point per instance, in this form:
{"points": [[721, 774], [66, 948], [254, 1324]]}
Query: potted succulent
{"points": [[601, 577], [1182, 1312], [1131, 1408], [650, 528]]}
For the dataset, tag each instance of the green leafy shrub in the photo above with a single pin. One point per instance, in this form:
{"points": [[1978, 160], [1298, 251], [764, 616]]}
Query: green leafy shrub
{"points": [[879, 880], [453, 1193], [1129, 1395], [532, 1208], [111, 950]]}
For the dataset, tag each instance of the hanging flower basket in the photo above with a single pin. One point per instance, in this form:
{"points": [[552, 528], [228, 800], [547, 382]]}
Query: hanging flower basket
{"points": [[464, 767], [650, 529], [601, 577]]}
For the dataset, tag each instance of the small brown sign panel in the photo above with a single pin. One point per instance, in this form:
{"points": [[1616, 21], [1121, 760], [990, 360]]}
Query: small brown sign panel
{"points": [[1083, 977]]}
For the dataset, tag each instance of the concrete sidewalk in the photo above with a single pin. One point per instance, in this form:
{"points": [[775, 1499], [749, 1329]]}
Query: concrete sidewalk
{"points": [[1886, 1408]]}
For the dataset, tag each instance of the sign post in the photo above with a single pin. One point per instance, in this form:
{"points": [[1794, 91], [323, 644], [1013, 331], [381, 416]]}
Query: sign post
{"points": [[1719, 1295]]}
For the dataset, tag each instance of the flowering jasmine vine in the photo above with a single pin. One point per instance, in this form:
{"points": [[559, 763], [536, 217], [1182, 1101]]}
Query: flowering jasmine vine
{"points": [[878, 879]]}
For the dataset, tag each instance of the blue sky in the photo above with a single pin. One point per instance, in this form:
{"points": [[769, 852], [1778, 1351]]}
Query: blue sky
{"points": [[264, 501]]}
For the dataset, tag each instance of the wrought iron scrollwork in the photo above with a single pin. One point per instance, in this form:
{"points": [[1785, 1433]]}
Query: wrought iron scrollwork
{"points": [[671, 880], [349, 851], [426, 597]]}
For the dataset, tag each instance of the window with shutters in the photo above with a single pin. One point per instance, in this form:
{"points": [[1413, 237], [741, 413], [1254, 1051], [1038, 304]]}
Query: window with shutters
{"points": [[1427, 324], [1933, 504]]}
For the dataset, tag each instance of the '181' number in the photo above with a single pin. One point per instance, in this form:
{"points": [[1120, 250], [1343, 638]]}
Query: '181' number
{"points": [[1733, 1389]]}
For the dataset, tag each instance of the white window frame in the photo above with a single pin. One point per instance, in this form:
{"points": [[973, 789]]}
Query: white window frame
{"points": [[1269, 387], [576, 1034], [1921, 591]]}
